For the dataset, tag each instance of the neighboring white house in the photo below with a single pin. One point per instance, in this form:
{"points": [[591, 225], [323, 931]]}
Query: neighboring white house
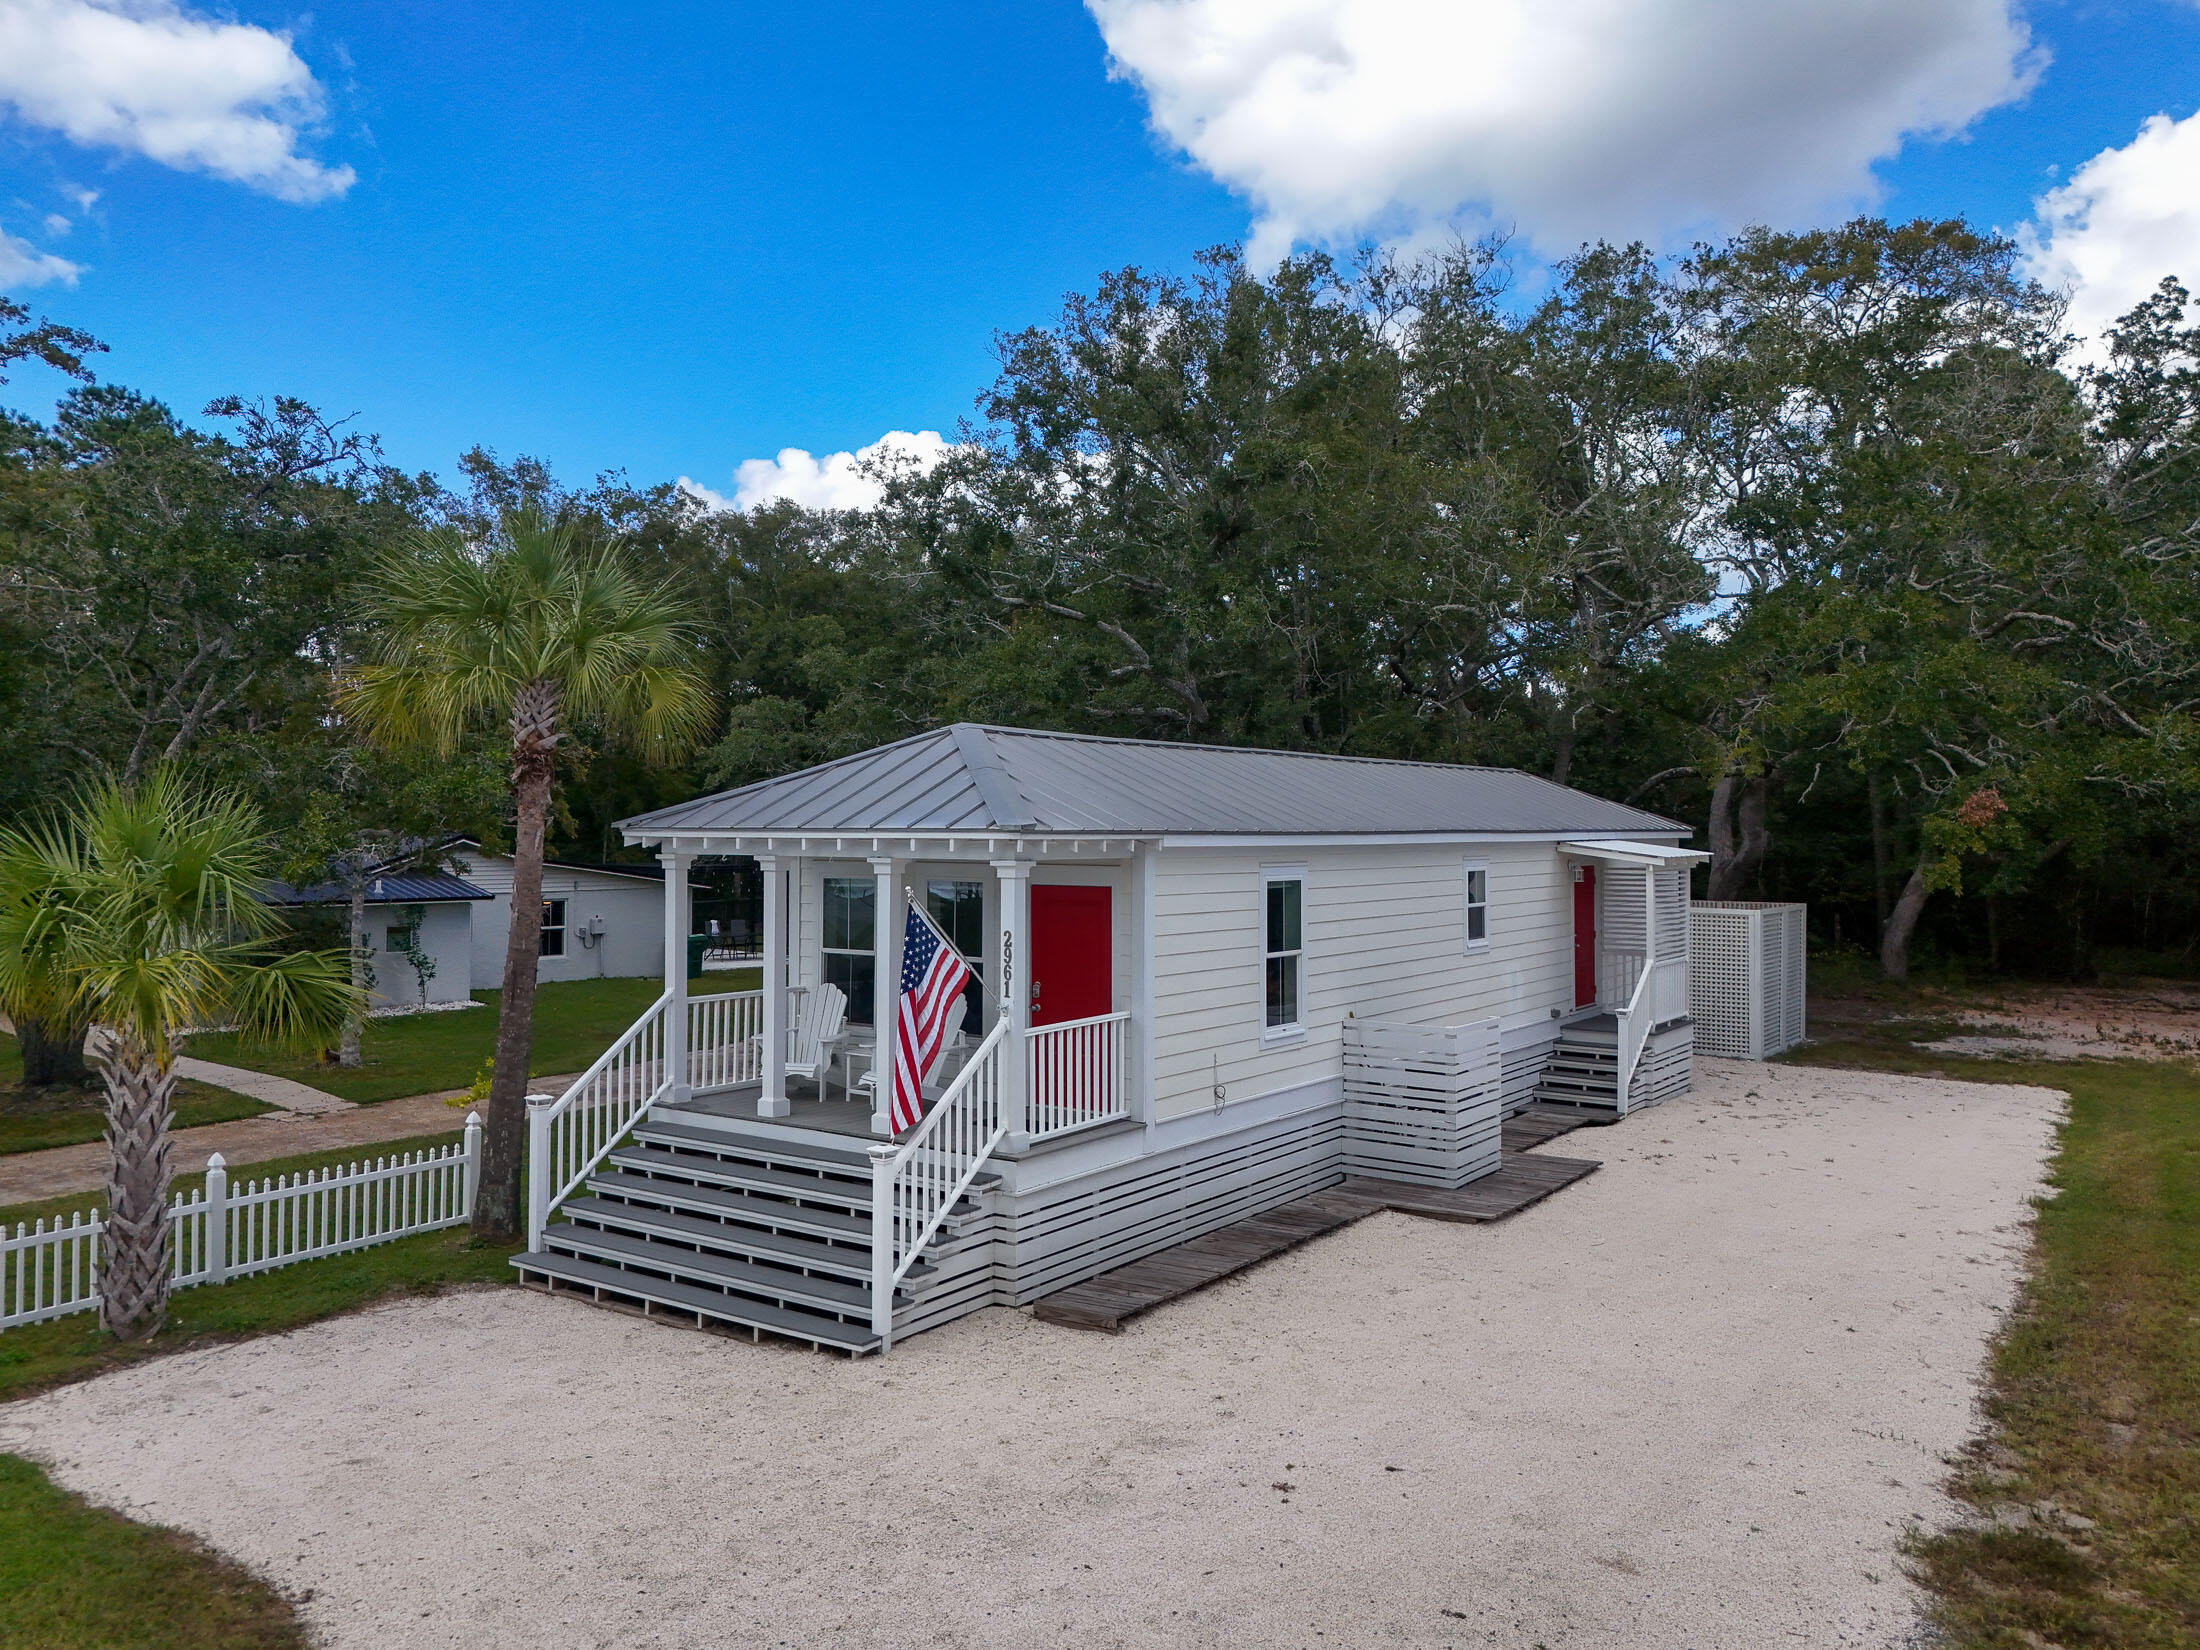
{"points": [[1206, 979], [418, 934], [596, 920]]}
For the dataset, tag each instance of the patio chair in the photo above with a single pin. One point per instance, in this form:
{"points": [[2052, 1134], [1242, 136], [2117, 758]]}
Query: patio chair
{"points": [[952, 1042], [820, 1022]]}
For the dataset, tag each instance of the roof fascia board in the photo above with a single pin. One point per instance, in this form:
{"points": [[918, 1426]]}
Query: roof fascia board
{"points": [[1371, 839], [1666, 856], [897, 844]]}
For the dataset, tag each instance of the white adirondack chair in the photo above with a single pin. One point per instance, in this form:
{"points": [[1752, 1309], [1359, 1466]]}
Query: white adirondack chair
{"points": [[951, 1040], [820, 1021]]}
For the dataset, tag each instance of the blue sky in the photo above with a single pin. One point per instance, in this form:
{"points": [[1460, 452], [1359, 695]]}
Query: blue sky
{"points": [[670, 240]]}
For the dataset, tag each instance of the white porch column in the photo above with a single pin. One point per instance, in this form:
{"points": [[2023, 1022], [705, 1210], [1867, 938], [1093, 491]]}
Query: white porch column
{"points": [[771, 1100], [676, 975], [1015, 977], [886, 875]]}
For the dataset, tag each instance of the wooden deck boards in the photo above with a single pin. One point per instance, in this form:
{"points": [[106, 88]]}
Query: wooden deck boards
{"points": [[1102, 1303]]}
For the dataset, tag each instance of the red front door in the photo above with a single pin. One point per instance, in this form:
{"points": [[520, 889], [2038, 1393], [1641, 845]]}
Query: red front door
{"points": [[1071, 939], [1585, 936]]}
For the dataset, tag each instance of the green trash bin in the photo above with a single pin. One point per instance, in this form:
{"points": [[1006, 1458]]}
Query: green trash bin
{"points": [[697, 945]]}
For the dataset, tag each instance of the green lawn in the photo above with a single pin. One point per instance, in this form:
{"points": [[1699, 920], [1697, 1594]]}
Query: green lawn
{"points": [[32, 1120], [423, 1053], [2093, 1390], [76, 1577]]}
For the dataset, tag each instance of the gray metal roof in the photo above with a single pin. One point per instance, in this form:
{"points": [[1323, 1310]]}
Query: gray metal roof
{"points": [[1020, 780], [417, 888]]}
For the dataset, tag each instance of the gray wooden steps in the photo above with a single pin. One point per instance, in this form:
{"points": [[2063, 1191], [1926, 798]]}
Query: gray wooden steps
{"points": [[1583, 1070], [706, 1306], [770, 1284], [730, 1238], [735, 1175], [770, 1213]]}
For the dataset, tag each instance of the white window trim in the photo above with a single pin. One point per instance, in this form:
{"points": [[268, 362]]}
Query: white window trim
{"points": [[1467, 906], [561, 905], [1295, 1032]]}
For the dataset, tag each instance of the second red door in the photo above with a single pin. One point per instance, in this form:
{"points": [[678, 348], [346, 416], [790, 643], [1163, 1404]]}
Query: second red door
{"points": [[1071, 942]]}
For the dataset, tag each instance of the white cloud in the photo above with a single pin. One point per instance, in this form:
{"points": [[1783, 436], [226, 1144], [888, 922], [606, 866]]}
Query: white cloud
{"points": [[22, 265], [187, 91], [2125, 219], [1570, 119], [838, 481]]}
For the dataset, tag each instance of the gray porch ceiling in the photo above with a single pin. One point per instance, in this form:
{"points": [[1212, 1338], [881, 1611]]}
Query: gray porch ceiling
{"points": [[1019, 781]]}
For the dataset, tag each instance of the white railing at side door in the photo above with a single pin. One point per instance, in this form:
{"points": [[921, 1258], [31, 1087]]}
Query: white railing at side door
{"points": [[725, 1039], [1660, 996], [1077, 1074], [915, 1185]]}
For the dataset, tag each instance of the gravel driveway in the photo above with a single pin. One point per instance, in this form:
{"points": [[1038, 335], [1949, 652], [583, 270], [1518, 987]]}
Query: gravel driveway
{"points": [[1692, 1401]]}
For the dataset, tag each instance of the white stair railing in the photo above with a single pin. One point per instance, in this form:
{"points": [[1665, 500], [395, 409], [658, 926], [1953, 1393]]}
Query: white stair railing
{"points": [[725, 1039], [567, 1137], [1660, 996], [1077, 1074], [914, 1185]]}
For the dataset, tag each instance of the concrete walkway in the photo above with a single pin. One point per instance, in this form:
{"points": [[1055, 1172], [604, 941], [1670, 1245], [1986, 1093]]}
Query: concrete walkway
{"points": [[263, 1086]]}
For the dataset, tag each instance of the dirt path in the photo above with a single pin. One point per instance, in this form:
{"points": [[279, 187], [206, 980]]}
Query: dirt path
{"points": [[1692, 1402]]}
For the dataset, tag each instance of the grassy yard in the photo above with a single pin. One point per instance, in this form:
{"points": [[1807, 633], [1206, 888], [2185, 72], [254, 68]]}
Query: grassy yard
{"points": [[423, 1053], [72, 1574], [2088, 1480], [31, 1120]]}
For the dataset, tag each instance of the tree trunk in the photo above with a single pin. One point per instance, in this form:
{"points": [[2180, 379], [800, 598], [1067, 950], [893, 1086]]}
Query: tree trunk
{"points": [[497, 1210], [133, 1271], [52, 1058], [1879, 853], [1563, 763], [347, 1048], [1894, 944], [1734, 862]]}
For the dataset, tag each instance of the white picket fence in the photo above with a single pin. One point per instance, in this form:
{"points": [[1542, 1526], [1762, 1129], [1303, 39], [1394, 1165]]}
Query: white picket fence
{"points": [[223, 1231]]}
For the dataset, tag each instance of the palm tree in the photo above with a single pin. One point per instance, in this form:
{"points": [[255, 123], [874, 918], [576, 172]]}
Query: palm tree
{"points": [[139, 911], [550, 629]]}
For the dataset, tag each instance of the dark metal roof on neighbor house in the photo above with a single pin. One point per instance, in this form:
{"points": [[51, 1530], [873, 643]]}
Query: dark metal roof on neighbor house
{"points": [[1019, 780], [417, 888]]}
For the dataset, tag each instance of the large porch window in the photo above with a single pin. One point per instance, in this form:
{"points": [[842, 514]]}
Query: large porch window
{"points": [[850, 941], [959, 909]]}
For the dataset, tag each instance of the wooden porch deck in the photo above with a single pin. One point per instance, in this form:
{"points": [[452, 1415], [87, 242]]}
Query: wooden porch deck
{"points": [[1104, 1302]]}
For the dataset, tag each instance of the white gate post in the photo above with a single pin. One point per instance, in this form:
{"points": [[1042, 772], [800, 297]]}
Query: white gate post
{"points": [[470, 1176], [677, 923], [886, 873], [538, 1168], [882, 1244], [216, 1230], [1015, 875], [771, 1099]]}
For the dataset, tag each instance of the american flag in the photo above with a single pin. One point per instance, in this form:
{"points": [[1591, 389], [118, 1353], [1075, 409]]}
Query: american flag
{"points": [[932, 976]]}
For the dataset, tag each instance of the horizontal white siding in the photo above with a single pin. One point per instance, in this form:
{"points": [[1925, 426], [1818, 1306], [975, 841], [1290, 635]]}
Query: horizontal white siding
{"points": [[632, 909], [1385, 937], [446, 938]]}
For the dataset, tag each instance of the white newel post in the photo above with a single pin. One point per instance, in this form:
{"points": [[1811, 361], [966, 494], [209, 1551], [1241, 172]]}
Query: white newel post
{"points": [[677, 923], [217, 1219], [1015, 975], [886, 874], [771, 1100], [538, 1168], [470, 1187], [882, 1244]]}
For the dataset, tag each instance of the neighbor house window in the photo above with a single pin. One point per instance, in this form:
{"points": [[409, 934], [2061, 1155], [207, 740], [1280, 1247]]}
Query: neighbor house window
{"points": [[553, 928], [850, 940], [1283, 894], [1478, 904], [959, 909]]}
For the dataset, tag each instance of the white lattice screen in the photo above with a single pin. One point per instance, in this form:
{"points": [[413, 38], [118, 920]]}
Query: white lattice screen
{"points": [[1746, 977]]}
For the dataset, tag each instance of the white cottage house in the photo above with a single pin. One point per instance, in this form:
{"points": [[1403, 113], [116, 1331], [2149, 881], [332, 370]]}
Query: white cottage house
{"points": [[1206, 981]]}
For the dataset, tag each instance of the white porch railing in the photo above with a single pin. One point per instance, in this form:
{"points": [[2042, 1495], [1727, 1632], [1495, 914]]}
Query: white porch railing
{"points": [[1618, 973], [915, 1184], [222, 1231], [725, 1039], [1077, 1074], [569, 1136], [1660, 995]]}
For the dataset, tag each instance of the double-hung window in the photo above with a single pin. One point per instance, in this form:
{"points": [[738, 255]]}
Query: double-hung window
{"points": [[959, 909], [850, 941], [553, 928], [1478, 904], [1283, 897]]}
